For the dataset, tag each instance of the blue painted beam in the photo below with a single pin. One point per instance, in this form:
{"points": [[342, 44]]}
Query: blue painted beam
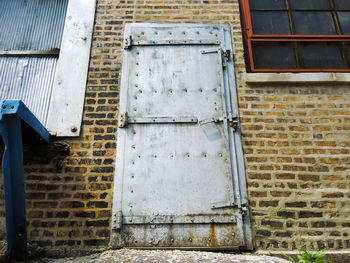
{"points": [[12, 113], [10, 107]]}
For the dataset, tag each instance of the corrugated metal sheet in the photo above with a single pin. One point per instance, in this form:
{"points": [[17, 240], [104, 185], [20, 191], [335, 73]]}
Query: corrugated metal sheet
{"points": [[29, 79], [31, 24]]}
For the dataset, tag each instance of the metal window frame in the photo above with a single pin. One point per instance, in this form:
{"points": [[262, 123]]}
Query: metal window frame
{"points": [[249, 37]]}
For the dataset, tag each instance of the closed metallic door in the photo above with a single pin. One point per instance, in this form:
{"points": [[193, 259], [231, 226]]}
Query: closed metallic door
{"points": [[179, 173]]}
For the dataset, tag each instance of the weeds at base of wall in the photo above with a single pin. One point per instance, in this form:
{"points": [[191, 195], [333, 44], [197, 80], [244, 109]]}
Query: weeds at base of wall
{"points": [[32, 252], [308, 257], [3, 249], [3, 244]]}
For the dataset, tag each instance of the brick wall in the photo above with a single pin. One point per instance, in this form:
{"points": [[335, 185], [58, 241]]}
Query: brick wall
{"points": [[296, 141]]}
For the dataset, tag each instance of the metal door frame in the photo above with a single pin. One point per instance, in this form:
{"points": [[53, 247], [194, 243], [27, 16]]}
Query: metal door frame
{"points": [[234, 136]]}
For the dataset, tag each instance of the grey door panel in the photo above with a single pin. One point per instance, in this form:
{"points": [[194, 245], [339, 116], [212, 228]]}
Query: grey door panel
{"points": [[180, 174]]}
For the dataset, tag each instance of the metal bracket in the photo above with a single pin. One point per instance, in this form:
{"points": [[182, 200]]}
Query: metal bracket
{"points": [[128, 42]]}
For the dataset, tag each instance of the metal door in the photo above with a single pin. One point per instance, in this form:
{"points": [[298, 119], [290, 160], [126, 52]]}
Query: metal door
{"points": [[180, 179]]}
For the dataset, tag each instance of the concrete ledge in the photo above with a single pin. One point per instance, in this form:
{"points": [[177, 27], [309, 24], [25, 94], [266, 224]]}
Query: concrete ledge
{"points": [[297, 77]]}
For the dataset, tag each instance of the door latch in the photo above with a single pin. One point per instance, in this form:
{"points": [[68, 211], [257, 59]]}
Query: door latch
{"points": [[225, 56], [210, 51], [233, 121], [222, 204], [243, 210]]}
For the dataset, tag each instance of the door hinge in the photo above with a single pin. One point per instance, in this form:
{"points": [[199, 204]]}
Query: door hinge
{"points": [[117, 220], [233, 121], [124, 120], [128, 42]]}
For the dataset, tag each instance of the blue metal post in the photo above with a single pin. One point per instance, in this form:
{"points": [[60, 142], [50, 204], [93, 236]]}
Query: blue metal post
{"points": [[12, 114], [12, 166]]}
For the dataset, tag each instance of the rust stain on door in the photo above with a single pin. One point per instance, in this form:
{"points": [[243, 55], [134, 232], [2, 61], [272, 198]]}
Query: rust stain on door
{"points": [[213, 240]]}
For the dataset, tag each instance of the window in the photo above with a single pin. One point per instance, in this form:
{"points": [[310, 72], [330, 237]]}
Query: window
{"points": [[44, 55], [297, 35]]}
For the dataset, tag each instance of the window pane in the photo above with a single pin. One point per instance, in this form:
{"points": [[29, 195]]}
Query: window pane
{"points": [[310, 4], [270, 23], [344, 18], [314, 23], [320, 55], [342, 4], [274, 55], [267, 4], [348, 50]]}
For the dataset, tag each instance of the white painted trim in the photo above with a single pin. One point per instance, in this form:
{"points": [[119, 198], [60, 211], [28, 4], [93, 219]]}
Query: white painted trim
{"points": [[67, 101], [297, 77]]}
